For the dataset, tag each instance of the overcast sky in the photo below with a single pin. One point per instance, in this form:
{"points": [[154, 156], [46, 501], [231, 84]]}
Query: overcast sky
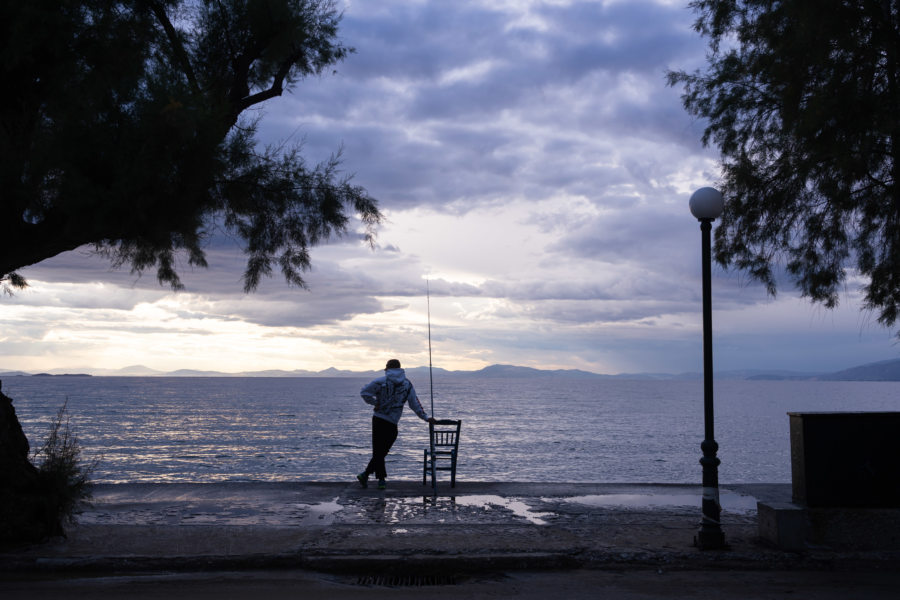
{"points": [[532, 165]]}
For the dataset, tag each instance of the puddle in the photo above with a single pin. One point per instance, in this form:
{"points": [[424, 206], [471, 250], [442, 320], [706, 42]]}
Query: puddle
{"points": [[472, 509], [324, 511], [730, 501], [518, 508]]}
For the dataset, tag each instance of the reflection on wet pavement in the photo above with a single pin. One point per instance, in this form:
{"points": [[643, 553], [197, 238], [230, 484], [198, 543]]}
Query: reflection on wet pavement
{"points": [[325, 512], [452, 509], [517, 507]]}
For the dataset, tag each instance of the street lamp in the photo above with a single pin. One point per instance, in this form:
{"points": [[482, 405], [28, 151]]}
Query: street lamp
{"points": [[707, 204]]}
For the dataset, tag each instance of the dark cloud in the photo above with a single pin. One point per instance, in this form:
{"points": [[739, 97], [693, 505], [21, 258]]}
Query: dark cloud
{"points": [[642, 235], [637, 36], [84, 265], [458, 103], [303, 310]]}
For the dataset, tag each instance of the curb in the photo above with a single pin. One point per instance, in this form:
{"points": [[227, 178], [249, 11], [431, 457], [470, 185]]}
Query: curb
{"points": [[442, 564]]}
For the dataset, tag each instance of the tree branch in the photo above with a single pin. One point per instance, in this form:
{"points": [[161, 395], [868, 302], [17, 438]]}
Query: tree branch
{"points": [[277, 87], [177, 47]]}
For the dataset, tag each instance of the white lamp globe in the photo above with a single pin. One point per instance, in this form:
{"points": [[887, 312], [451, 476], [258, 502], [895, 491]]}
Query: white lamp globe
{"points": [[707, 203]]}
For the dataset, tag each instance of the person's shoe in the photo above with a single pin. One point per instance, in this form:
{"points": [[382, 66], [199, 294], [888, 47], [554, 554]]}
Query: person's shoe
{"points": [[382, 485], [363, 479]]}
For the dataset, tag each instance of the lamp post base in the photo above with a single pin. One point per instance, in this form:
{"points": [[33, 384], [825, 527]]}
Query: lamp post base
{"points": [[710, 535]]}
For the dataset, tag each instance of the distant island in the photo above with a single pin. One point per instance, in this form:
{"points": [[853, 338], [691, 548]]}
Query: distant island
{"points": [[887, 370], [62, 375]]}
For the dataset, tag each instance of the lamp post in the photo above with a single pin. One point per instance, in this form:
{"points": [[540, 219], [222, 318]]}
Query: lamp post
{"points": [[707, 204]]}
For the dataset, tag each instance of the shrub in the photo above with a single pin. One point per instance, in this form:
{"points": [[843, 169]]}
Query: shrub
{"points": [[63, 483]]}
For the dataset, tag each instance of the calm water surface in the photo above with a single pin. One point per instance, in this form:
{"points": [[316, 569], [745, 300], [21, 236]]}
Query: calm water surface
{"points": [[157, 429]]}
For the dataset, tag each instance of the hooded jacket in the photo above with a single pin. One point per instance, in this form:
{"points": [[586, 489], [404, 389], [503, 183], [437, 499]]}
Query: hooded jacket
{"points": [[389, 393]]}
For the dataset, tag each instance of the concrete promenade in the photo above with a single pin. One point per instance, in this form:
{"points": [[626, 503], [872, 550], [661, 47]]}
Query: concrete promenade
{"points": [[285, 535]]}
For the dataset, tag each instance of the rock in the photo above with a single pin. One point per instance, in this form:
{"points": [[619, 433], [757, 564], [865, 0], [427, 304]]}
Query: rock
{"points": [[26, 515], [17, 471]]}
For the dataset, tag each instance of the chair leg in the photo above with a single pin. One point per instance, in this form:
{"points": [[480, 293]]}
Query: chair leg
{"points": [[424, 467], [453, 470]]}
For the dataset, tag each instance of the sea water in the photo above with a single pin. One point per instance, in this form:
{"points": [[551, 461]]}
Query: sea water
{"points": [[161, 429]]}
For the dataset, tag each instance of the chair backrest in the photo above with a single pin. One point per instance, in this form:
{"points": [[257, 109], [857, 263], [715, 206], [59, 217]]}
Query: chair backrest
{"points": [[444, 433]]}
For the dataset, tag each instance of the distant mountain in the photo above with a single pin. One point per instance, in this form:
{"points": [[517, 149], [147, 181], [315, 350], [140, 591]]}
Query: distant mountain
{"points": [[196, 373], [62, 375], [777, 375], [132, 371], [885, 370], [279, 373], [14, 374], [888, 370], [419, 373], [24, 374], [512, 371], [782, 377], [332, 372]]}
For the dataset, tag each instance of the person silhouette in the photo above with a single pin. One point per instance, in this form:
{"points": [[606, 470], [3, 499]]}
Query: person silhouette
{"points": [[388, 394]]}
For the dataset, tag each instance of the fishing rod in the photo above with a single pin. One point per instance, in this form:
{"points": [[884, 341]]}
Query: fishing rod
{"points": [[430, 376]]}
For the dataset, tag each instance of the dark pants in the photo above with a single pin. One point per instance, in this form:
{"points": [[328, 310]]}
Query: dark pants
{"points": [[384, 433]]}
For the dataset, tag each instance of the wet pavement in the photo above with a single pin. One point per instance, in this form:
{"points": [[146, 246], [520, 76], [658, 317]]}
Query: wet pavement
{"points": [[320, 504], [473, 528]]}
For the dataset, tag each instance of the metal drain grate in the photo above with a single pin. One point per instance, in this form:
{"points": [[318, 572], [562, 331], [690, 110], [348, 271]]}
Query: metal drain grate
{"points": [[407, 580]]}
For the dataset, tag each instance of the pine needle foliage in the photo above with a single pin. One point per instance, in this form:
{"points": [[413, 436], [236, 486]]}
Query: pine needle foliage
{"points": [[802, 99], [130, 127]]}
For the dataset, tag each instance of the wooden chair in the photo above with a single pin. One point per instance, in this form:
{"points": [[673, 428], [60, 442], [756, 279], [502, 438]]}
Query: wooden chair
{"points": [[442, 451]]}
